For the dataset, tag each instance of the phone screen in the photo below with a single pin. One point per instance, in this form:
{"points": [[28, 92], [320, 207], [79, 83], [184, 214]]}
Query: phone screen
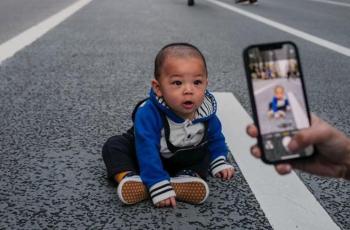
{"points": [[279, 98]]}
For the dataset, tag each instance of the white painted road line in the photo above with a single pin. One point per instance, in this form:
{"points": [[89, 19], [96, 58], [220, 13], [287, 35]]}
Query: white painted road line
{"points": [[332, 2], [9, 48], [319, 41], [259, 91], [299, 113], [285, 200]]}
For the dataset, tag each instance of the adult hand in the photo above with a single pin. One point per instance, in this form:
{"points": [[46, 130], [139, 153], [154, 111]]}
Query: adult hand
{"points": [[333, 158]]}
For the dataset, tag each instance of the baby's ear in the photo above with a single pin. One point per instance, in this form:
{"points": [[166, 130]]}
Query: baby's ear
{"points": [[156, 87]]}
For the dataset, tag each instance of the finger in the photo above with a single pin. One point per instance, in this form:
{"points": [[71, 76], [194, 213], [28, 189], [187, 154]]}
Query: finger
{"points": [[158, 204], [161, 204], [300, 140], [166, 202], [283, 168], [252, 130], [318, 133], [255, 151], [232, 173], [229, 173], [218, 175], [173, 202], [224, 174]]}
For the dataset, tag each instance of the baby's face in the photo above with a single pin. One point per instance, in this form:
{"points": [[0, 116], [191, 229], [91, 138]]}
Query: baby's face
{"points": [[279, 93], [182, 84]]}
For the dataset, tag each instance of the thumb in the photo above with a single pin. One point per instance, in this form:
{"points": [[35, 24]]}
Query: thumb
{"points": [[309, 136]]}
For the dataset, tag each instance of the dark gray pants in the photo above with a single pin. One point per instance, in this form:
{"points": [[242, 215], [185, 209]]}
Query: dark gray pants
{"points": [[119, 155]]}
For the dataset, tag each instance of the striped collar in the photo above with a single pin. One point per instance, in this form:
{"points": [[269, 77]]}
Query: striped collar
{"points": [[204, 112]]}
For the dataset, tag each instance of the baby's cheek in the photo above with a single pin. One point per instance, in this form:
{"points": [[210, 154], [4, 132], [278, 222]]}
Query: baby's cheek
{"points": [[177, 101]]}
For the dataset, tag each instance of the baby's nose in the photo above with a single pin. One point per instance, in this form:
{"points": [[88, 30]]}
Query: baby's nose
{"points": [[188, 88]]}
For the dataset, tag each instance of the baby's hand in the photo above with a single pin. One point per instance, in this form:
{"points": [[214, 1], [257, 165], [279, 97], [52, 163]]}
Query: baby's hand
{"points": [[167, 202], [226, 174]]}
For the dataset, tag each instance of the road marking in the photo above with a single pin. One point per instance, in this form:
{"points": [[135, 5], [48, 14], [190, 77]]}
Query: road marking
{"points": [[299, 113], [333, 2], [285, 200], [10, 47], [319, 41], [259, 91]]}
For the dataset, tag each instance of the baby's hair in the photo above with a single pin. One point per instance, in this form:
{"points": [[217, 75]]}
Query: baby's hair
{"points": [[279, 87], [177, 50]]}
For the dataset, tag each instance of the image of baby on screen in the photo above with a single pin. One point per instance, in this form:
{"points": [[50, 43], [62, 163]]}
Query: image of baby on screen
{"points": [[279, 104]]}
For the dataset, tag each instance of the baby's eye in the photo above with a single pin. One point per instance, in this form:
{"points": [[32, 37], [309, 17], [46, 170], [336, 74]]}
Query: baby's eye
{"points": [[198, 82], [176, 83]]}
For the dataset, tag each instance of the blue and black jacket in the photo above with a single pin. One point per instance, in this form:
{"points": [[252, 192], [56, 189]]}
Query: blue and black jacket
{"points": [[151, 145]]}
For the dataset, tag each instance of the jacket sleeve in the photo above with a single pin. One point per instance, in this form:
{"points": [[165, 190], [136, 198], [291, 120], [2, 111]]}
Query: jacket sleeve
{"points": [[274, 105], [217, 146], [148, 125]]}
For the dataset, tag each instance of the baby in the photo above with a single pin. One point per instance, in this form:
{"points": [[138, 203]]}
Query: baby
{"points": [[279, 104], [176, 138]]}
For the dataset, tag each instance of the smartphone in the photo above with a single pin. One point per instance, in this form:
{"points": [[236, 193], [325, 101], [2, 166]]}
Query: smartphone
{"points": [[278, 98]]}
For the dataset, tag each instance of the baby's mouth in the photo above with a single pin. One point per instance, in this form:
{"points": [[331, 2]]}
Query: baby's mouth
{"points": [[188, 104]]}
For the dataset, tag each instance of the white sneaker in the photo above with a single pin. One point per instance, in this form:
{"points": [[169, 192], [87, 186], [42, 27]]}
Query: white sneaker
{"points": [[190, 189], [131, 190]]}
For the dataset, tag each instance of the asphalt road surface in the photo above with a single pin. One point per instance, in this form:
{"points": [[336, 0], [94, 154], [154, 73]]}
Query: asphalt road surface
{"points": [[66, 93], [19, 15]]}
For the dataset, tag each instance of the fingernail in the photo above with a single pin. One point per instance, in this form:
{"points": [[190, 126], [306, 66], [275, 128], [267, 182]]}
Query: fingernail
{"points": [[293, 145]]}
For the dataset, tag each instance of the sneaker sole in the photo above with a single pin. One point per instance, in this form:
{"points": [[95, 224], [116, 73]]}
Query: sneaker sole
{"points": [[131, 191], [190, 190]]}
